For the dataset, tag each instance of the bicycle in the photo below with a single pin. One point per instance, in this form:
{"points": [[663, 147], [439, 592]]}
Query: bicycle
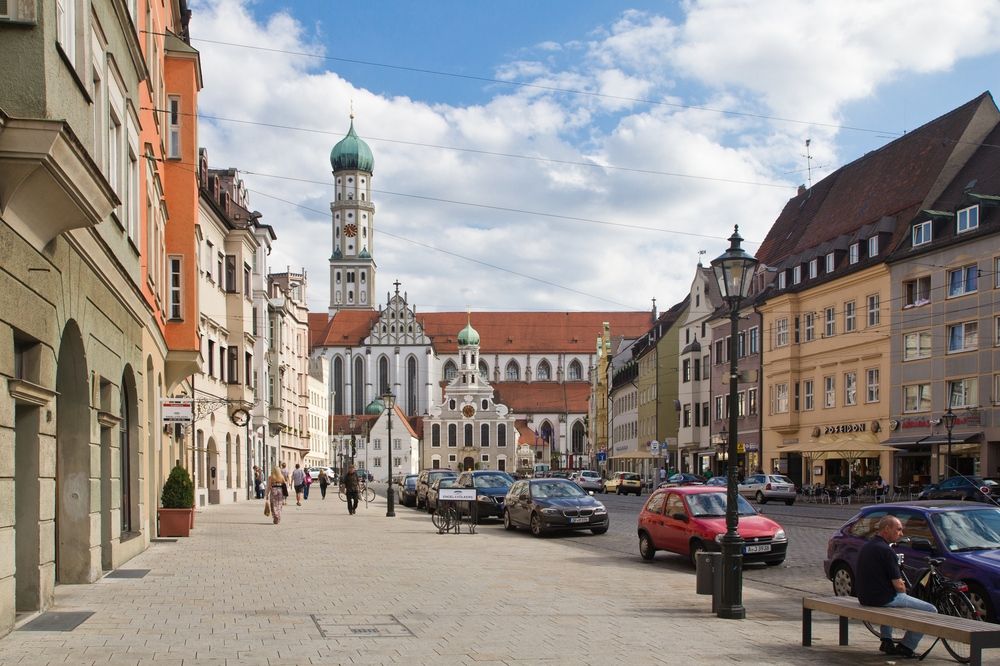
{"points": [[447, 517], [364, 493], [947, 595]]}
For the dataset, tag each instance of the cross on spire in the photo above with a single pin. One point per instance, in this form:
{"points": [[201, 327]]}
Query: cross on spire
{"points": [[396, 284]]}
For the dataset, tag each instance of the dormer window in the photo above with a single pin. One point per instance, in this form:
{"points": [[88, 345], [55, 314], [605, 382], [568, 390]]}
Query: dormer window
{"points": [[813, 268], [797, 275], [830, 262], [782, 280], [968, 219], [873, 246], [922, 233], [855, 253]]}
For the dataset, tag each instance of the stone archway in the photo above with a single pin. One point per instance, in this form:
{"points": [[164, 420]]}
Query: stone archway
{"points": [[76, 562], [212, 465]]}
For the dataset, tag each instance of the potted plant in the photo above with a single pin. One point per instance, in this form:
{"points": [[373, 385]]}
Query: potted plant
{"points": [[176, 514]]}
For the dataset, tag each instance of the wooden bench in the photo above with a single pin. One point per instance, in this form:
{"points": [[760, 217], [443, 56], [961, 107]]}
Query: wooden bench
{"points": [[977, 635]]}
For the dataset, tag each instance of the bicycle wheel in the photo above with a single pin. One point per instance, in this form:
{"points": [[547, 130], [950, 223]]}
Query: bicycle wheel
{"points": [[369, 494], [442, 518], [342, 495], [955, 603]]}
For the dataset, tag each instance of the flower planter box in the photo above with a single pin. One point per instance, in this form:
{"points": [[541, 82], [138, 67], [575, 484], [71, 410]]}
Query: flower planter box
{"points": [[175, 522]]}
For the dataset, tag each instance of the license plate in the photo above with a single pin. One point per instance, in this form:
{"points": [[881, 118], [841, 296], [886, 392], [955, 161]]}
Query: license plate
{"points": [[580, 519], [758, 548]]}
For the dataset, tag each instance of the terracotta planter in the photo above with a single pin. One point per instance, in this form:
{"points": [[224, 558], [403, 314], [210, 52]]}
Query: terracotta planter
{"points": [[175, 522], [192, 518]]}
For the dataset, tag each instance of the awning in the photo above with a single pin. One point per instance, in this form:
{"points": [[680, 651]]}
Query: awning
{"points": [[848, 447], [913, 441]]}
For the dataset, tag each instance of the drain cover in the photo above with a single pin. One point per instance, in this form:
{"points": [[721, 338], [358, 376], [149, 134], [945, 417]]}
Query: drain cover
{"points": [[369, 626], [128, 573], [57, 621]]}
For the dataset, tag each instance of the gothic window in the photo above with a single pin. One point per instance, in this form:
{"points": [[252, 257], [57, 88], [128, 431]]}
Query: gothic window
{"points": [[338, 383], [452, 435], [359, 386], [436, 435], [125, 459], [411, 386], [575, 371], [484, 435], [502, 434], [450, 371], [577, 438], [513, 372], [546, 433], [468, 434], [544, 372], [383, 375], [484, 371]]}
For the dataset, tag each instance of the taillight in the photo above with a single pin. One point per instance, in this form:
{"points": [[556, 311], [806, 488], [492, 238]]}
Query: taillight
{"points": [[985, 490], [767, 486]]}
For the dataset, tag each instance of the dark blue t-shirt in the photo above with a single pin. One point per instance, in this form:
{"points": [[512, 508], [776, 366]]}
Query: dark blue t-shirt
{"points": [[877, 568]]}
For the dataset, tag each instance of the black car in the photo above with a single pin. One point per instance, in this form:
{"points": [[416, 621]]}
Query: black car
{"points": [[435, 490], [548, 505], [969, 488], [424, 481], [491, 488], [407, 490]]}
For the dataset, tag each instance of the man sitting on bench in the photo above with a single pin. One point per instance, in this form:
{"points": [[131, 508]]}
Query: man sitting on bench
{"points": [[880, 583]]}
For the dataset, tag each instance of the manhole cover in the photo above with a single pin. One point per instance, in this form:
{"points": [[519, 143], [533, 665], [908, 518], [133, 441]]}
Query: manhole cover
{"points": [[128, 573], [368, 626], [57, 621]]}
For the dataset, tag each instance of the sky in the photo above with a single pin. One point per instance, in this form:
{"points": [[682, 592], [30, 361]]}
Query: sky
{"points": [[565, 155]]}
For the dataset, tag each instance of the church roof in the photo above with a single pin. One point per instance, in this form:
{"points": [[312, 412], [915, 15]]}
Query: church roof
{"points": [[352, 152], [500, 332], [540, 397]]}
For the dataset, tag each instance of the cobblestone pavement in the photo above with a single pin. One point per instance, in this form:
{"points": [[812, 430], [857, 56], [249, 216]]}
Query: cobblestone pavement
{"points": [[328, 588]]}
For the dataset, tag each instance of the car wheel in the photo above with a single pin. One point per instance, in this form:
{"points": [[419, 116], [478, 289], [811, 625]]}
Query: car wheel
{"points": [[981, 601], [536, 525], [760, 498], [619, 490], [789, 502], [843, 580], [646, 547], [508, 524], [696, 547], [598, 530], [774, 563]]}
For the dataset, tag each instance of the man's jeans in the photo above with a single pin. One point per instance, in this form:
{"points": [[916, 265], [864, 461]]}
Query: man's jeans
{"points": [[901, 600]]}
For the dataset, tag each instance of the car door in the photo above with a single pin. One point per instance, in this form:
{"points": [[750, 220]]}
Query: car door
{"points": [[520, 507], [949, 489], [651, 518], [676, 524], [915, 525]]}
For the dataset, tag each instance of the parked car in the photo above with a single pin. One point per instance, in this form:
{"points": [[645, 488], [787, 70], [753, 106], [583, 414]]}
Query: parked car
{"points": [[965, 534], [623, 483], [407, 490], [424, 480], [548, 505], [589, 480], [561, 474], [682, 479], [433, 492], [969, 488], [718, 481], [765, 487], [491, 488], [689, 519]]}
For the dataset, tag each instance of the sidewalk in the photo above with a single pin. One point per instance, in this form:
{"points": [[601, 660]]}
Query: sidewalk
{"points": [[324, 587]]}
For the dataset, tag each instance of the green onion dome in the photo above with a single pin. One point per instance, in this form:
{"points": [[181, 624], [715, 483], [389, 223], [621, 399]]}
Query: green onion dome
{"points": [[352, 153]]}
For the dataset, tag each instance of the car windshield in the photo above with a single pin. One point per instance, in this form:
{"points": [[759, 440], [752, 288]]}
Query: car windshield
{"points": [[591, 475], [491, 481], [556, 489], [630, 477], [977, 529], [777, 478], [410, 482], [714, 504], [448, 482]]}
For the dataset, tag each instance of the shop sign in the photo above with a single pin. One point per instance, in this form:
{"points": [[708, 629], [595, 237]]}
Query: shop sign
{"points": [[845, 428]]}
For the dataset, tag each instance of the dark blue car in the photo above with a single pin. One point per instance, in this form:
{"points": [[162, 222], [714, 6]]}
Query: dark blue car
{"points": [[491, 488], [965, 534]]}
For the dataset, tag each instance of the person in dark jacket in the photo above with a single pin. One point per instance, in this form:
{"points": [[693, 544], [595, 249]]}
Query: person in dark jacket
{"points": [[352, 486], [880, 583]]}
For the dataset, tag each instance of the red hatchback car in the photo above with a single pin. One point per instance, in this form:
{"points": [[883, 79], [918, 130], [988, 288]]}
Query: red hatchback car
{"points": [[689, 519]]}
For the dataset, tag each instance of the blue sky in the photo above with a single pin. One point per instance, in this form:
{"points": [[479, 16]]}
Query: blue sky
{"points": [[588, 202]]}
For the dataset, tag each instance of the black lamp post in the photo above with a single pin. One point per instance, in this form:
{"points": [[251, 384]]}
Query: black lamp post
{"points": [[389, 400], [948, 419], [352, 423], [734, 271]]}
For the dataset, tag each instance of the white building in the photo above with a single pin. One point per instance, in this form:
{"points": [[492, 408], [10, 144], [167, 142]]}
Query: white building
{"points": [[319, 415]]}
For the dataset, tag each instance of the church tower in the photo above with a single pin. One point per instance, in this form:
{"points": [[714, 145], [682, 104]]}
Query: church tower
{"points": [[352, 268]]}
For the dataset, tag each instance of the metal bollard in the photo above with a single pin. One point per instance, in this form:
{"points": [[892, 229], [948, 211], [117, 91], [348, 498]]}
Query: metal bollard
{"points": [[708, 576]]}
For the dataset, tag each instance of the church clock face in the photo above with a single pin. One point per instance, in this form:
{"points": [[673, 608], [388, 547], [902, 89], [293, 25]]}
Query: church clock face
{"points": [[468, 411], [350, 231]]}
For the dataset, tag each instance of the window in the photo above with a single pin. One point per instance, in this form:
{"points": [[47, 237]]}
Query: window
{"points": [[963, 280], [996, 272], [720, 407], [916, 345], [452, 435], [174, 304], [436, 435], [782, 280], [850, 388], [220, 260], [968, 219], [807, 395], [544, 373], [704, 413], [697, 369], [502, 434], [796, 337], [830, 263], [211, 358], [963, 337], [854, 253], [917, 398], [686, 416], [231, 273], [829, 391], [963, 392], [575, 371], [810, 326], [752, 402], [174, 127], [922, 233], [513, 372], [850, 317], [484, 435], [996, 331], [754, 341], [233, 364], [781, 332], [830, 326], [247, 280], [917, 291], [450, 371], [718, 351], [741, 344], [780, 398], [686, 370], [813, 268], [873, 313], [871, 384], [66, 28], [873, 246], [741, 404], [797, 275]]}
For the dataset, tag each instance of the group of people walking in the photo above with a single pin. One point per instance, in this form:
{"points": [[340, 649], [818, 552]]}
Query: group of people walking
{"points": [[274, 489]]}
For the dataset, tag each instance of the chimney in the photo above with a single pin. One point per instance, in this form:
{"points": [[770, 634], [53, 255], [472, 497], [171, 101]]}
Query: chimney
{"points": [[802, 190]]}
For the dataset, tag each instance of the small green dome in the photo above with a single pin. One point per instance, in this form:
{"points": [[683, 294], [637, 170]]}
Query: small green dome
{"points": [[375, 407], [352, 153], [468, 335], [364, 254]]}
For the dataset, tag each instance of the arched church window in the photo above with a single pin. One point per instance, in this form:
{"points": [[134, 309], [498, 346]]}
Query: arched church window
{"points": [[502, 434], [486, 404], [578, 438], [336, 232], [513, 372], [451, 404], [575, 370], [338, 277], [468, 434], [450, 371], [364, 232], [436, 435], [452, 435], [383, 375], [364, 297], [544, 373], [362, 196], [484, 371], [484, 435]]}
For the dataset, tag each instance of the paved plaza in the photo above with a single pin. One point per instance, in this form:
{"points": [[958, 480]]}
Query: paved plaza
{"points": [[324, 587]]}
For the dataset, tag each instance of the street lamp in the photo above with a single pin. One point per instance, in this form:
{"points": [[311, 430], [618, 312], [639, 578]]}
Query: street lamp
{"points": [[389, 400], [948, 419], [340, 453], [352, 423], [734, 271]]}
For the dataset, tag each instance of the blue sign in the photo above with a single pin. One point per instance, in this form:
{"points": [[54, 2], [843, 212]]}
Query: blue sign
{"points": [[602, 456]]}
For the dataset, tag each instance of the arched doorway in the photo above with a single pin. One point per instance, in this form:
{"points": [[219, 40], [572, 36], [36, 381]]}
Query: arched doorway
{"points": [[468, 463], [75, 563], [212, 464]]}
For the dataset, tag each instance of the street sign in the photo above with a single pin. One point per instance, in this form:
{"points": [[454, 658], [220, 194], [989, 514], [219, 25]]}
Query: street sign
{"points": [[654, 446], [602, 456], [177, 410]]}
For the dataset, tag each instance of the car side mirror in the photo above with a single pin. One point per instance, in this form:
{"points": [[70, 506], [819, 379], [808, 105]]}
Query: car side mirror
{"points": [[683, 517], [918, 543]]}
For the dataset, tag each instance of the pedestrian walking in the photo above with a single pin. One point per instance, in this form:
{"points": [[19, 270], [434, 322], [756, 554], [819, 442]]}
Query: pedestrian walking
{"points": [[663, 474], [307, 481], [277, 491], [351, 486], [298, 482], [258, 482], [324, 481], [287, 477]]}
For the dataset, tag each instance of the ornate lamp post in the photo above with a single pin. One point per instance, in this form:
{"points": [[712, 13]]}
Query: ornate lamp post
{"points": [[352, 423], [389, 400], [948, 419], [734, 271]]}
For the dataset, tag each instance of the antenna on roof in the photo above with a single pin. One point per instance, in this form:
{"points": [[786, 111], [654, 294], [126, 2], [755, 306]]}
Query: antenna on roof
{"points": [[701, 252], [809, 171]]}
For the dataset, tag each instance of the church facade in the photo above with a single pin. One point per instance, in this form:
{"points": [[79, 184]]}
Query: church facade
{"points": [[490, 390]]}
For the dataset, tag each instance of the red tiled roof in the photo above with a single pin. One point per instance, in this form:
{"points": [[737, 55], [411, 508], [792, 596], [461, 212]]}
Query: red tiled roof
{"points": [[893, 181], [499, 332], [535, 397], [525, 435]]}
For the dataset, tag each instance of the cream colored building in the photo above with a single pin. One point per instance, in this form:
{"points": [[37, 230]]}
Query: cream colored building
{"points": [[320, 452], [288, 358]]}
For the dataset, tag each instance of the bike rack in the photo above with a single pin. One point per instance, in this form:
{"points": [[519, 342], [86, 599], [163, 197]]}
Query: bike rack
{"points": [[460, 495]]}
